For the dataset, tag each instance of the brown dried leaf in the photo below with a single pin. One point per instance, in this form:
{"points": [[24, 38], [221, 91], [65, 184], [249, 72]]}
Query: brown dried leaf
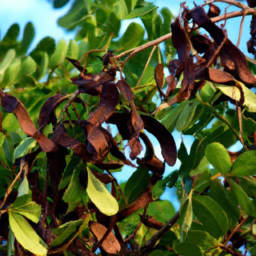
{"points": [[164, 137], [126, 90], [97, 145], [108, 102], [110, 244], [159, 77], [77, 65], [200, 17], [139, 203], [201, 43], [46, 144], [214, 11], [46, 114], [150, 161], [61, 137], [93, 83], [171, 81], [181, 42], [12, 105]]}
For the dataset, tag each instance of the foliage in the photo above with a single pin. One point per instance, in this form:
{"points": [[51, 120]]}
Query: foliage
{"points": [[69, 110]]}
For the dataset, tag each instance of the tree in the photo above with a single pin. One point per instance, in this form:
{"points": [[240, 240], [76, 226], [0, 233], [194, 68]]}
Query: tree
{"points": [[68, 110]]}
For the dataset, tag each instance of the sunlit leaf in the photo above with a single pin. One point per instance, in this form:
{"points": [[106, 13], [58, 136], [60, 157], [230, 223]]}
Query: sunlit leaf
{"points": [[100, 196], [24, 147], [218, 156], [244, 165], [26, 235]]}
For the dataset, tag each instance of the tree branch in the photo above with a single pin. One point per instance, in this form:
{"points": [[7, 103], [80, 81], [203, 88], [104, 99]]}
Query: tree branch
{"points": [[152, 241]]}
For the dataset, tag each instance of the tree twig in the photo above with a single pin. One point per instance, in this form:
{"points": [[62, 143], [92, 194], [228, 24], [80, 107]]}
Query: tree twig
{"points": [[23, 167], [240, 31], [137, 228], [234, 230], [149, 58], [231, 2], [152, 241]]}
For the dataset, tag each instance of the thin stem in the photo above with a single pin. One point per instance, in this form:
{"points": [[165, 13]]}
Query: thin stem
{"points": [[152, 241], [231, 2], [234, 230], [65, 247], [23, 167], [220, 117], [149, 58], [145, 46], [240, 31], [137, 228]]}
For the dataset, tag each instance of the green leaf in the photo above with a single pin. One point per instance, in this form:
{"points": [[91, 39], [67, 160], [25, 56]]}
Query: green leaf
{"points": [[10, 37], [234, 93], [48, 129], [59, 3], [11, 73], [167, 238], [10, 243], [28, 66], [138, 12], [6, 179], [132, 36], [64, 231], [186, 217], [9, 56], [100, 196], [111, 25], [23, 188], [76, 14], [24, 206], [201, 238], [218, 157], [185, 118], [244, 201], [75, 190], [211, 215], [187, 249], [182, 153], [43, 65], [28, 35], [171, 117], [161, 210], [249, 186], [130, 4], [159, 189], [8, 148], [150, 24], [136, 184], [72, 52], [220, 195], [120, 9], [59, 54], [140, 235], [47, 45], [72, 165], [26, 235], [202, 182], [207, 91], [24, 147], [245, 164]]}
